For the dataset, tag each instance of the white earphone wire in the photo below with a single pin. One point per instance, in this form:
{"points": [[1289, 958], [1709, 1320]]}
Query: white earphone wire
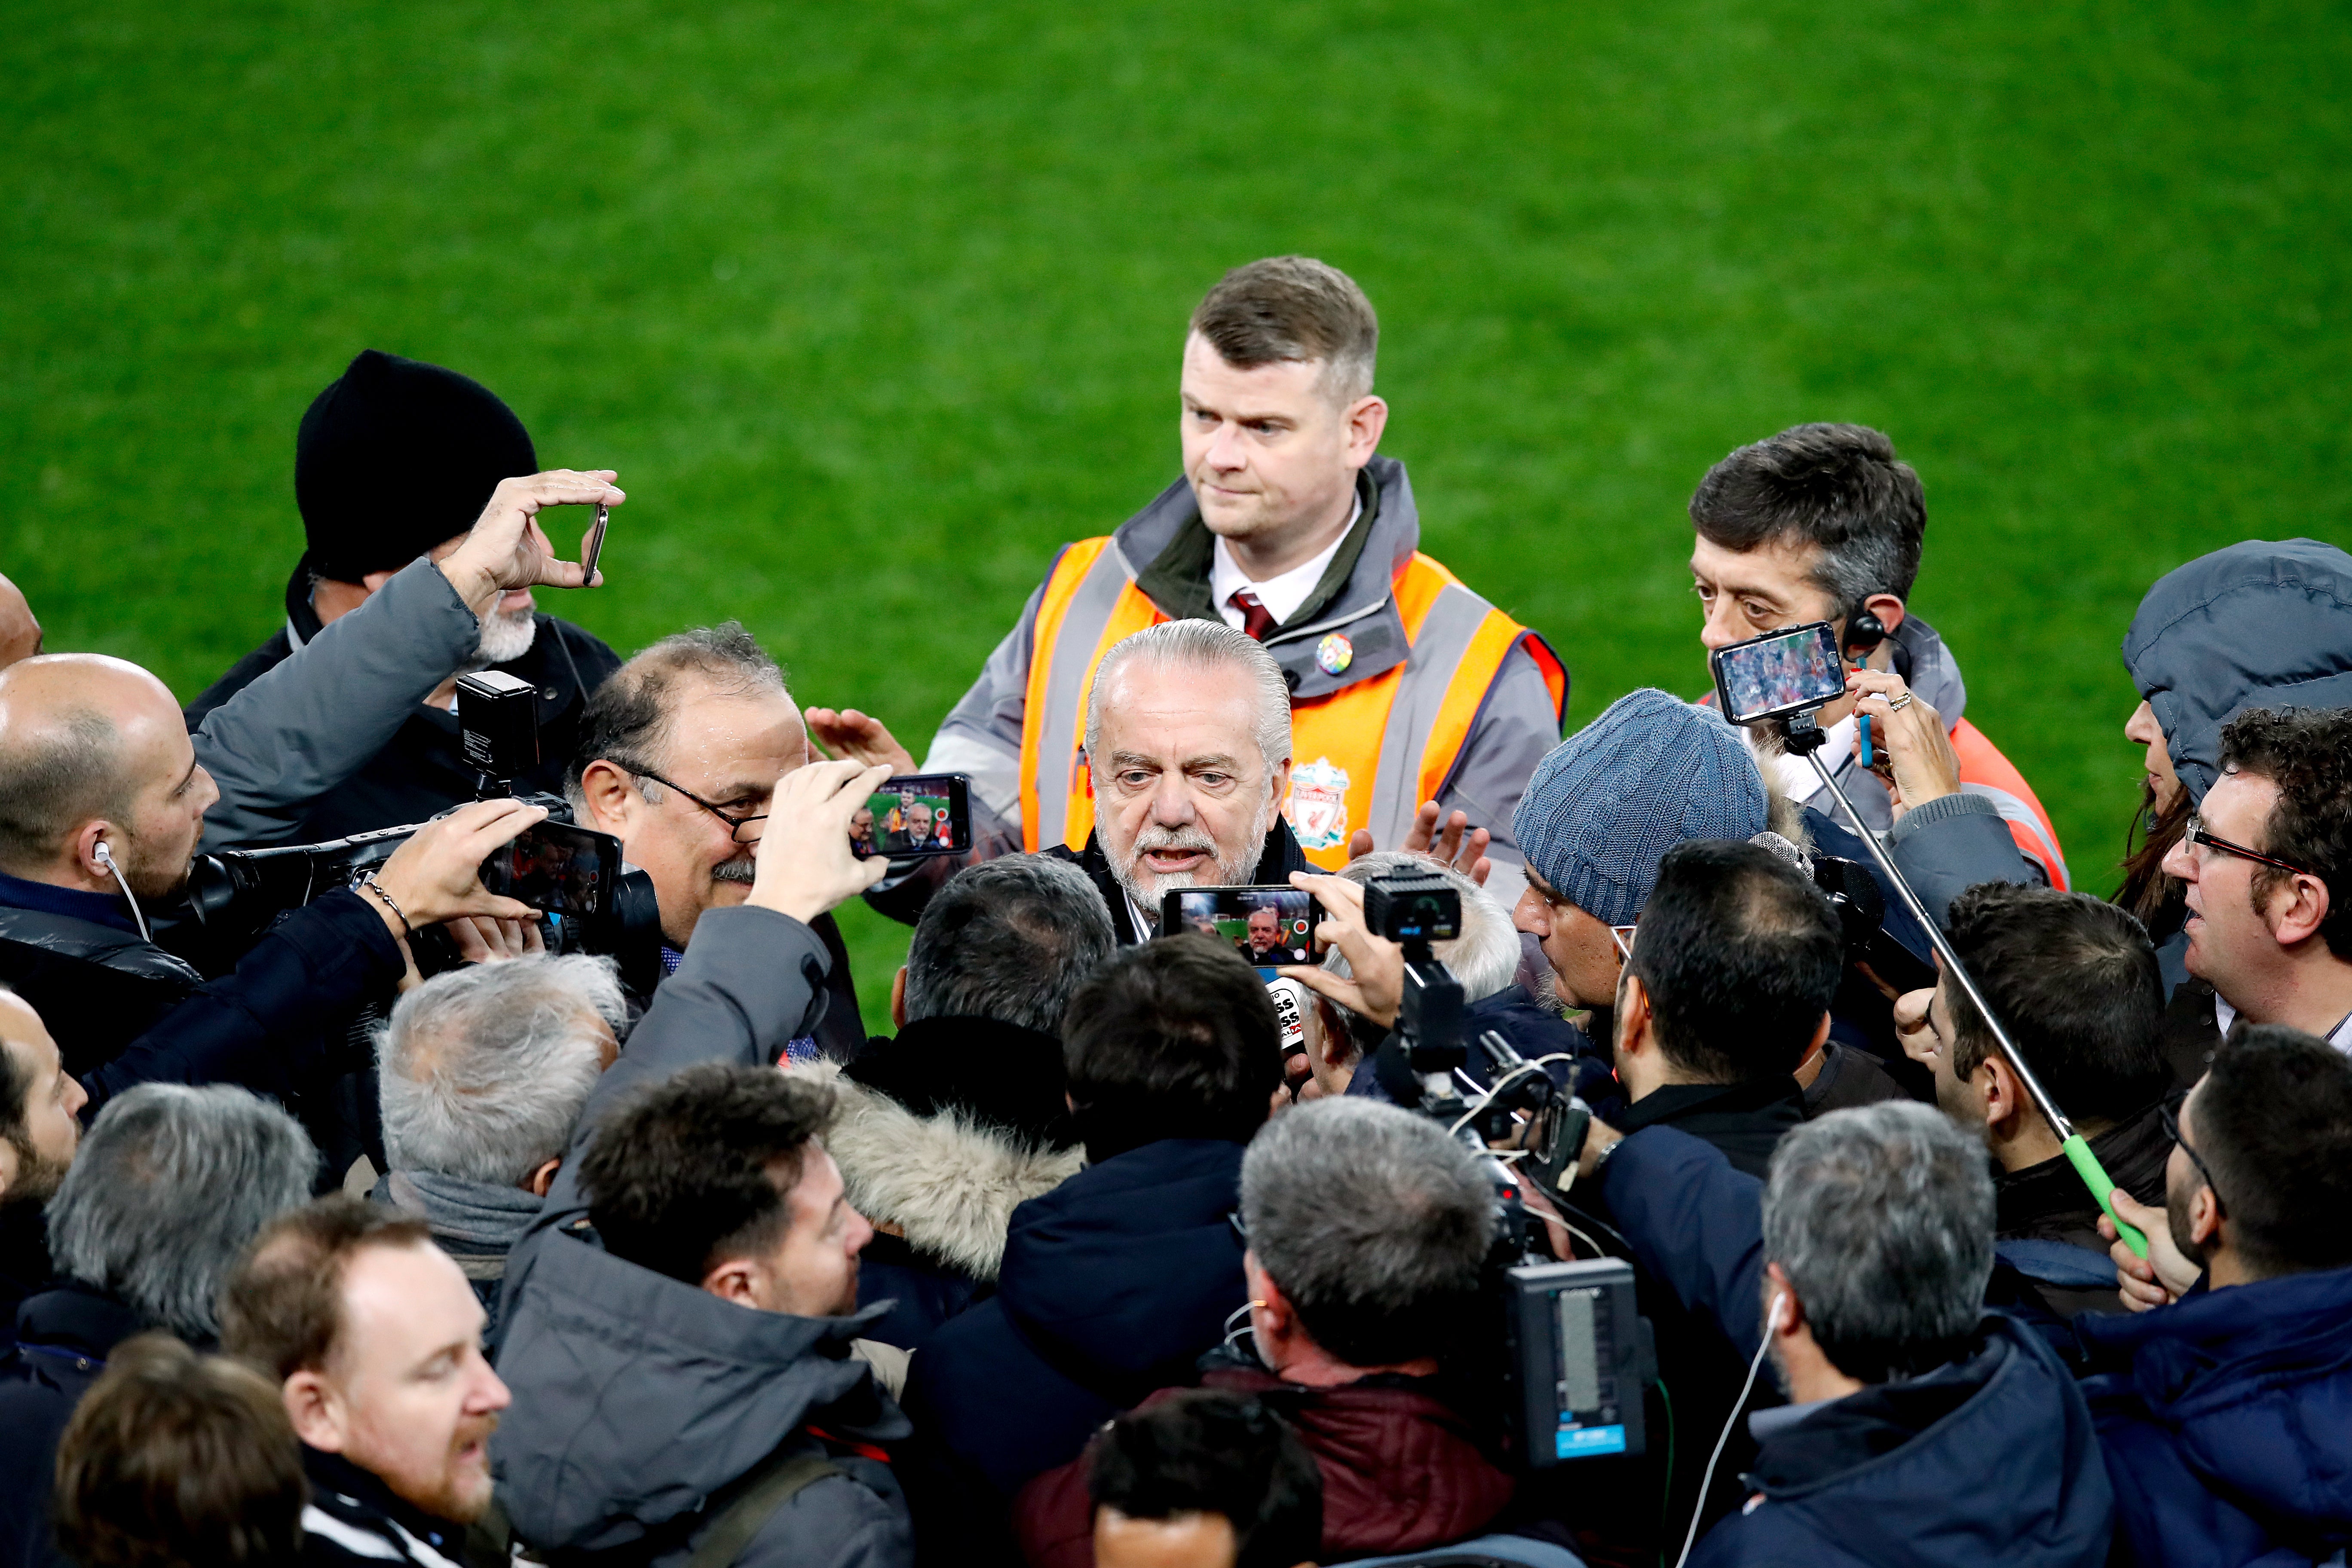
{"points": [[1772, 1323], [106, 858]]}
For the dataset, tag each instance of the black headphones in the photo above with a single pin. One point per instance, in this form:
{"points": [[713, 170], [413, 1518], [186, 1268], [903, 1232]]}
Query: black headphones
{"points": [[1864, 632]]}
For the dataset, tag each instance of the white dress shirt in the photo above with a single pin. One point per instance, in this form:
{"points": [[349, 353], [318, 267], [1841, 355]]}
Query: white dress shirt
{"points": [[2224, 1015], [1281, 595]]}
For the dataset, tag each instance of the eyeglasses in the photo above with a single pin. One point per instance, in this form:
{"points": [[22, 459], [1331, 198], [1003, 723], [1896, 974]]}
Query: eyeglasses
{"points": [[2171, 1120], [735, 825], [2196, 832]]}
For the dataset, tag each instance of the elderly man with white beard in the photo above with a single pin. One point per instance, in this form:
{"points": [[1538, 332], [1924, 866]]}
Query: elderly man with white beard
{"points": [[1188, 740], [396, 466]]}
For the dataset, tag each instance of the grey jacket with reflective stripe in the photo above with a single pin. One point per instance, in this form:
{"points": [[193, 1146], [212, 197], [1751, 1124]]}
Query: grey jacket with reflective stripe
{"points": [[1514, 728]]}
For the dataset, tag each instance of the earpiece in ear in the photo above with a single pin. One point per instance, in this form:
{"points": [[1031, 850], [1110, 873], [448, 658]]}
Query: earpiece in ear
{"points": [[105, 857], [1778, 1317], [1863, 634]]}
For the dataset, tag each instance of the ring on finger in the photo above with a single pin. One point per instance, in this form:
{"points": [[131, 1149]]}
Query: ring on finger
{"points": [[1898, 702]]}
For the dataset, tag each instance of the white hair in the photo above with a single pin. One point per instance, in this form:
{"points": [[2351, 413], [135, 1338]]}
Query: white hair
{"points": [[1485, 957], [483, 1070], [1201, 644]]}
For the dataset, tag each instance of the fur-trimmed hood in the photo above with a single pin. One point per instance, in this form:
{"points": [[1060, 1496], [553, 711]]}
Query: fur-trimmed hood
{"points": [[949, 1181]]}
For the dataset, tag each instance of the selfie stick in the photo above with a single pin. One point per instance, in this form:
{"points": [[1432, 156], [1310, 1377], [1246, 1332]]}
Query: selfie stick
{"points": [[1805, 737]]}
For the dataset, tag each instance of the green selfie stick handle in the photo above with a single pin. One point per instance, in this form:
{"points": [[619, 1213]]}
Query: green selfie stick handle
{"points": [[2095, 1176]]}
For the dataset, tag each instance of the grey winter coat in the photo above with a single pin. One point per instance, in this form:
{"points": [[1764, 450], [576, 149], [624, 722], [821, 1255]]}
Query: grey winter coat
{"points": [[1948, 845], [312, 720], [636, 1398]]}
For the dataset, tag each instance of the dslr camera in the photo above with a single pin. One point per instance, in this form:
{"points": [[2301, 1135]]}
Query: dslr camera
{"points": [[574, 876]]}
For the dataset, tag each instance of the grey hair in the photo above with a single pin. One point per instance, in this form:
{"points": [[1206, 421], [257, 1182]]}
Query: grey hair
{"points": [[55, 775], [1485, 957], [170, 1184], [627, 719], [483, 1070], [1011, 939], [1372, 1221], [1881, 1218], [1201, 644]]}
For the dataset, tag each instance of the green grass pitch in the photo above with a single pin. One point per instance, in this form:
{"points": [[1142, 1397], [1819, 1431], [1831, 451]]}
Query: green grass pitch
{"points": [[874, 305]]}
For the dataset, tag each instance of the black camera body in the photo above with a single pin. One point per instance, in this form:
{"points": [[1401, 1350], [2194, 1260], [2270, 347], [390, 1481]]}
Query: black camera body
{"points": [[233, 896], [1413, 910], [1563, 1356]]}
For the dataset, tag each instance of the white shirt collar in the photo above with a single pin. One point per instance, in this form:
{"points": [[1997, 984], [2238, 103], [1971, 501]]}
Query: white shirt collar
{"points": [[1281, 595], [2225, 1015]]}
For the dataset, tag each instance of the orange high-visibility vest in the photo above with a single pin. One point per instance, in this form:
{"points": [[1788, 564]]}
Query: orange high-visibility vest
{"points": [[1367, 755]]}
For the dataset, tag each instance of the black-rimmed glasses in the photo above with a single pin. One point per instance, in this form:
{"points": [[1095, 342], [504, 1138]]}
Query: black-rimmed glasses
{"points": [[2196, 832], [2171, 1120], [735, 825]]}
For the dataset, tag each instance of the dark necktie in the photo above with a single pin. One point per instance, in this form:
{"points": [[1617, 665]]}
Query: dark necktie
{"points": [[1256, 619]]}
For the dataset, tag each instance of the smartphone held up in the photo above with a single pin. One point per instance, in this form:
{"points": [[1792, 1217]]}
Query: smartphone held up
{"points": [[914, 815]]}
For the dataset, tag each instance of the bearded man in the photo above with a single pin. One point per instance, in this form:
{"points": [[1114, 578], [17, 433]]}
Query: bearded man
{"points": [[395, 461], [1188, 738]]}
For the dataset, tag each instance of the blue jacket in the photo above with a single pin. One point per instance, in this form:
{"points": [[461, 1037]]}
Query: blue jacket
{"points": [[1113, 1284], [63, 1338], [2227, 1420], [1990, 1459], [1697, 1228]]}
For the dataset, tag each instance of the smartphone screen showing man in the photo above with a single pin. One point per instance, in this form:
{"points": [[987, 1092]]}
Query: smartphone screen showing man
{"points": [[1267, 926], [914, 815]]}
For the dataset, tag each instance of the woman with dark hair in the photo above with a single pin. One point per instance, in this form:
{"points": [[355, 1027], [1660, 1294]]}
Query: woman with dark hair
{"points": [[2262, 624]]}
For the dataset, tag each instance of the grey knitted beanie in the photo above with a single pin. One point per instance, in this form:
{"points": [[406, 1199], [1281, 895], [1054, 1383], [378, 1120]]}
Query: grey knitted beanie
{"points": [[1611, 799]]}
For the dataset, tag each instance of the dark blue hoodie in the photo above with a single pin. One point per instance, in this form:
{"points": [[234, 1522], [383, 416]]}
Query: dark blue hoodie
{"points": [[1113, 1284], [2227, 1422], [1990, 1459]]}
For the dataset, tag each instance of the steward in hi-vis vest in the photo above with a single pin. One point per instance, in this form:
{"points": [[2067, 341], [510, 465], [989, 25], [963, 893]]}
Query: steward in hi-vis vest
{"points": [[1406, 687]]}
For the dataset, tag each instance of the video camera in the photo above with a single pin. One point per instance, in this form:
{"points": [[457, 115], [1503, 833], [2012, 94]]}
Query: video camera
{"points": [[1574, 1355], [574, 875]]}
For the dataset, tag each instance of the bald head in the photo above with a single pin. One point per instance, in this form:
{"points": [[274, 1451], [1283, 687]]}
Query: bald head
{"points": [[20, 633], [93, 750]]}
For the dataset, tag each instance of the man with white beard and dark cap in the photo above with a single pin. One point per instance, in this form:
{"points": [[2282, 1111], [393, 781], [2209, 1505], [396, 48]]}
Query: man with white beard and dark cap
{"points": [[395, 463], [1188, 740]]}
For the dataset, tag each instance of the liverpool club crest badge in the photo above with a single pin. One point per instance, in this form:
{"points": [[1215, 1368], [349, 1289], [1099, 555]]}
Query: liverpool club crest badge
{"points": [[1318, 805]]}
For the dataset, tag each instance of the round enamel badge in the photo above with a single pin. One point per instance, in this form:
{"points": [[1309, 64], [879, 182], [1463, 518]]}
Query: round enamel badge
{"points": [[1334, 653]]}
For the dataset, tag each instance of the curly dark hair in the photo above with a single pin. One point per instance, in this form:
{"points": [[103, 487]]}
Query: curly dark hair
{"points": [[695, 1169], [2307, 753]]}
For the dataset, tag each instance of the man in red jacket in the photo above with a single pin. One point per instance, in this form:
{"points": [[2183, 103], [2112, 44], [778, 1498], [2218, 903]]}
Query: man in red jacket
{"points": [[1365, 1226]]}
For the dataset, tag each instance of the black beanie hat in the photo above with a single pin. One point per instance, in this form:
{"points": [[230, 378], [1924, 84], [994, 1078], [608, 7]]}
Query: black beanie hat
{"points": [[395, 457]]}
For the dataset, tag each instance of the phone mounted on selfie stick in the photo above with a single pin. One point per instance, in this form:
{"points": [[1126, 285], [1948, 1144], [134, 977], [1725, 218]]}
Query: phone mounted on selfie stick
{"points": [[1790, 675]]}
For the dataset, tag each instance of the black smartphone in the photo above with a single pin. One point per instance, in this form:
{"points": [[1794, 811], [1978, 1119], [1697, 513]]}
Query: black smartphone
{"points": [[594, 546], [555, 866], [915, 813], [1778, 674], [1268, 926]]}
